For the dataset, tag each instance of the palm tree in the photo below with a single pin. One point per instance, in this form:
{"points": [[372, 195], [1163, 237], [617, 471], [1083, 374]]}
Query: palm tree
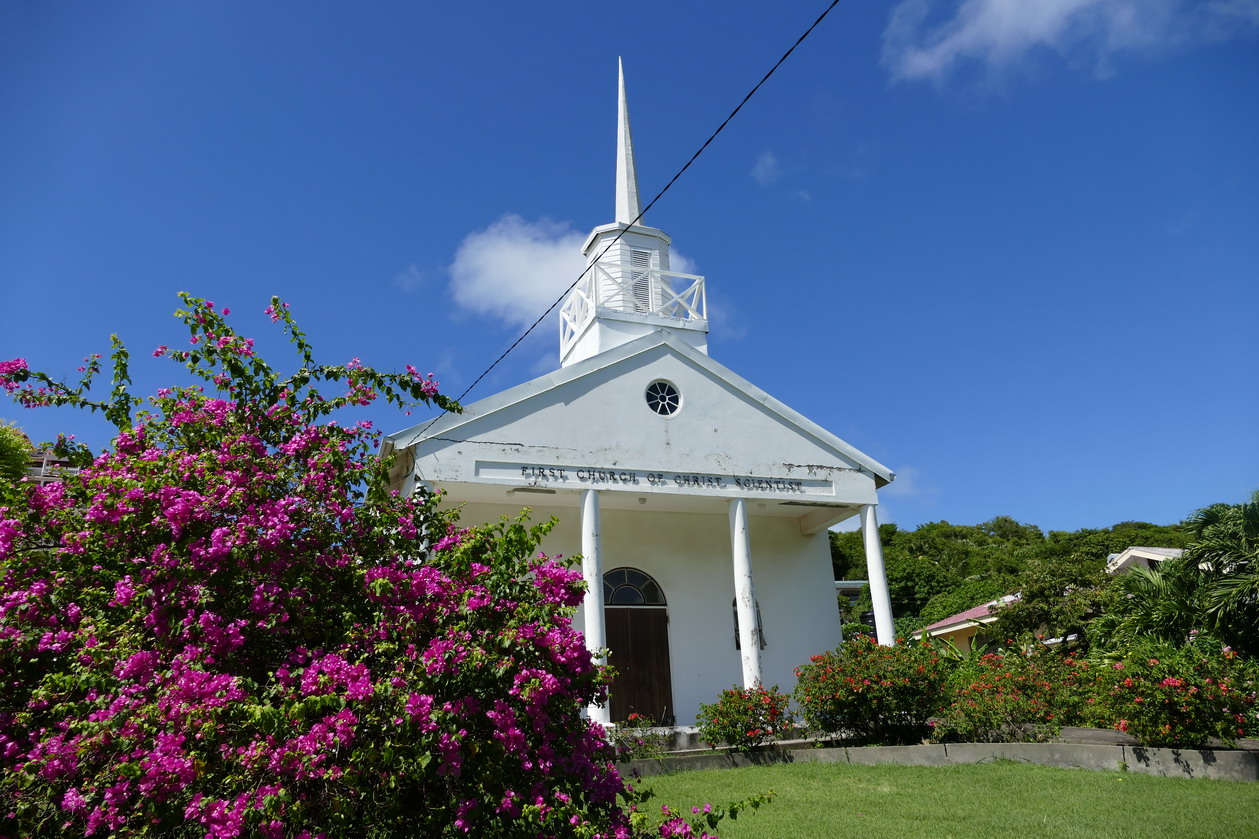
{"points": [[1213, 587], [1165, 603], [1225, 548]]}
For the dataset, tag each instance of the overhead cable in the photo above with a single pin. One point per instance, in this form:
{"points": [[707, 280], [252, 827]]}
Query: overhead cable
{"points": [[650, 204]]}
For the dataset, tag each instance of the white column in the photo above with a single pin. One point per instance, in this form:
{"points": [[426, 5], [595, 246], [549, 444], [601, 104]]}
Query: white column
{"points": [[592, 605], [884, 629], [745, 593]]}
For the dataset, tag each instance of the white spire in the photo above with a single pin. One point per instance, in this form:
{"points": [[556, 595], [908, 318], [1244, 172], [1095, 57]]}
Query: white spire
{"points": [[628, 289], [627, 207]]}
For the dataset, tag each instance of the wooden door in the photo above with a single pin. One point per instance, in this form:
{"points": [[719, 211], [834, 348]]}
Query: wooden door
{"points": [[638, 638]]}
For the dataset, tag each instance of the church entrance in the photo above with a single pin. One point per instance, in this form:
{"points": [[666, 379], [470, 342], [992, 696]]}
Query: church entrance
{"points": [[637, 621]]}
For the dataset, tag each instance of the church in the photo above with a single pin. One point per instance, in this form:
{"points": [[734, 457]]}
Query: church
{"points": [[699, 503]]}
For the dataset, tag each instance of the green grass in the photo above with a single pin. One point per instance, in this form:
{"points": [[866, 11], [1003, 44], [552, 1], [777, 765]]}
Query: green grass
{"points": [[999, 800]]}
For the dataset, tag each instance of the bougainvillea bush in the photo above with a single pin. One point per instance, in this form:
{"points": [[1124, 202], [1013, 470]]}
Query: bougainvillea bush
{"points": [[745, 718], [227, 626], [872, 693]]}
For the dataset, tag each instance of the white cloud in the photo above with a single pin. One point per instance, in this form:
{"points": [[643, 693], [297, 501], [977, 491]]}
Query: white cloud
{"points": [[682, 264], [999, 34], [513, 269], [766, 171]]}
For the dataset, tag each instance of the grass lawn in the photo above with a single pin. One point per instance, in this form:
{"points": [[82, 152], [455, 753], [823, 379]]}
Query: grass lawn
{"points": [[998, 800]]}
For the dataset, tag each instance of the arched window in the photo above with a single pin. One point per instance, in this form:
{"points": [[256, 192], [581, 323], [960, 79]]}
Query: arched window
{"points": [[631, 587], [760, 628]]}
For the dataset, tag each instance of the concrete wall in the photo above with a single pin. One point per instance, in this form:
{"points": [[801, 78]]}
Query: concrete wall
{"points": [[1168, 763]]}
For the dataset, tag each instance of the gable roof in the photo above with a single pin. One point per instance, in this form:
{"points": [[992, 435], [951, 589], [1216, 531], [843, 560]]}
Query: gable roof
{"points": [[981, 614], [1137, 555], [516, 400]]}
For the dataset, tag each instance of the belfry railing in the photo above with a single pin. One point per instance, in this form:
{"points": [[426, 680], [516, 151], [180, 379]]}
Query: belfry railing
{"points": [[623, 287]]}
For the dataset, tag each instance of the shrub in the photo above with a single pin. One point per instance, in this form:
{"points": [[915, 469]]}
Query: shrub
{"points": [[639, 738], [744, 718], [674, 821], [1008, 698], [856, 629], [1178, 697], [228, 626], [15, 455], [872, 693]]}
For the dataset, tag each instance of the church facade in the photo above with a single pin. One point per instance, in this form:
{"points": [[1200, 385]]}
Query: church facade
{"points": [[699, 503]]}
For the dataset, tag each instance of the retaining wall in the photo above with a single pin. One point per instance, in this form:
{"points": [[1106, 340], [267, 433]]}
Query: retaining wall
{"points": [[1169, 763]]}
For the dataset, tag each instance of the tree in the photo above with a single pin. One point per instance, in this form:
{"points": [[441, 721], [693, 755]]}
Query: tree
{"points": [[15, 456], [228, 626], [1212, 588], [965, 595], [1164, 604], [1225, 548], [1056, 600]]}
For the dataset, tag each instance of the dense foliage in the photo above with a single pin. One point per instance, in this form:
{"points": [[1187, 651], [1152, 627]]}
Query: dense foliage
{"points": [[227, 626], [940, 569], [15, 454], [1018, 697], [872, 693], [1176, 696], [744, 718]]}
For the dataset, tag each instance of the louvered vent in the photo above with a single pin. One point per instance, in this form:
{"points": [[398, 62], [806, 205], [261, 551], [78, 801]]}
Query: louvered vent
{"points": [[640, 265]]}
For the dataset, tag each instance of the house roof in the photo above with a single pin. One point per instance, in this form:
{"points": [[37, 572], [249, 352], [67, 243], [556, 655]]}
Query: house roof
{"points": [[983, 613], [1125, 559]]}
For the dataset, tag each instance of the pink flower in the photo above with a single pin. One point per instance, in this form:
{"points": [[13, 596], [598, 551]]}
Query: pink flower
{"points": [[73, 801], [7, 370]]}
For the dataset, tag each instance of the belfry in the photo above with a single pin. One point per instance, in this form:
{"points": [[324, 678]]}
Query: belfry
{"points": [[699, 503], [628, 289]]}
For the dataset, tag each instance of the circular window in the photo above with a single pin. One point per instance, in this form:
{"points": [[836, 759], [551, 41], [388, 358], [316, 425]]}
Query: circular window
{"points": [[663, 398]]}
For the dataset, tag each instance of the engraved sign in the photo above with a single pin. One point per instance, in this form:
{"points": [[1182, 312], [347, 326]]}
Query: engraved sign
{"points": [[596, 477]]}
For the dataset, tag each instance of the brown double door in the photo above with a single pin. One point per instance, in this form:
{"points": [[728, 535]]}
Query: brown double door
{"points": [[638, 638]]}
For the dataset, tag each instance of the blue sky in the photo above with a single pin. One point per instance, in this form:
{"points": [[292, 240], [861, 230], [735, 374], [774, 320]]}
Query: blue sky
{"points": [[1008, 249]]}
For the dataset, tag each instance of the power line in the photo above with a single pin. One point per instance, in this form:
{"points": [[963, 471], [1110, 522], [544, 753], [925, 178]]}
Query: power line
{"points": [[650, 204]]}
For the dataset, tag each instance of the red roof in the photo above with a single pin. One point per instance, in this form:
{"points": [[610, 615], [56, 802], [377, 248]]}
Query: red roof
{"points": [[975, 613]]}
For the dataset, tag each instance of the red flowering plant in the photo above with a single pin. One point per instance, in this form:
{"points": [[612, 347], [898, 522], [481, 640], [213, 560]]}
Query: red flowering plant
{"points": [[872, 693], [640, 738], [745, 718], [227, 625], [1014, 697], [1178, 696]]}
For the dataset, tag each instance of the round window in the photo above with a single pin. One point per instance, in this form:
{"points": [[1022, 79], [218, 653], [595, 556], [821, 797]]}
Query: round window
{"points": [[663, 398]]}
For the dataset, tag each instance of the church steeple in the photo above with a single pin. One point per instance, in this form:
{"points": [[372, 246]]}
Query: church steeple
{"points": [[627, 206], [628, 289]]}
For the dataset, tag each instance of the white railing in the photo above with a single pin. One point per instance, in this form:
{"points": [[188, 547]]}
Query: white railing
{"points": [[47, 468], [631, 288]]}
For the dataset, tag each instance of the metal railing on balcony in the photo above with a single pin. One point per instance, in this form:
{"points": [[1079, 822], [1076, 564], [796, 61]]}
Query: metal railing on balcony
{"points": [[631, 288]]}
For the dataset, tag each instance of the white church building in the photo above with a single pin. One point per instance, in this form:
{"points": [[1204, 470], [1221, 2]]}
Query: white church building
{"points": [[699, 503]]}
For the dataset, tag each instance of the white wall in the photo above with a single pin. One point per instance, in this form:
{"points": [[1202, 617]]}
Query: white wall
{"points": [[689, 556]]}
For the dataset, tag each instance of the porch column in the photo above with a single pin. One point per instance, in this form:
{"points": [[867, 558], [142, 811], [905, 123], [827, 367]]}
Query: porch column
{"points": [[884, 629], [744, 593], [592, 604]]}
